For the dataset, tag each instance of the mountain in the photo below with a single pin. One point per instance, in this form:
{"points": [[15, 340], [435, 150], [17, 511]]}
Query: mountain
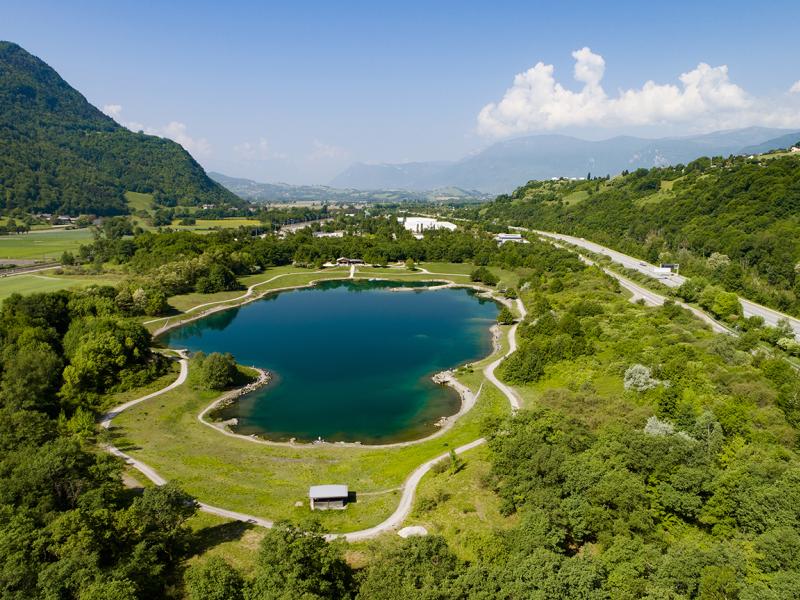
{"points": [[504, 165], [784, 141], [283, 192], [58, 153]]}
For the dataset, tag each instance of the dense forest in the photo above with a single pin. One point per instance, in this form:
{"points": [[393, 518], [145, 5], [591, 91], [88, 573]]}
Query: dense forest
{"points": [[58, 153], [68, 526], [734, 221]]}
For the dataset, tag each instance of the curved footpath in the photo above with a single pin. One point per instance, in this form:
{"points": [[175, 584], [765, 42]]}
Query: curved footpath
{"points": [[409, 486]]}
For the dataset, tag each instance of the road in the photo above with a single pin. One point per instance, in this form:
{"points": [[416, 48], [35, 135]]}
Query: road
{"points": [[651, 298], [409, 486], [749, 308]]}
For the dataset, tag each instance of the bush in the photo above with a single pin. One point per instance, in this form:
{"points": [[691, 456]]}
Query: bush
{"points": [[483, 275], [216, 371], [639, 378], [505, 316]]}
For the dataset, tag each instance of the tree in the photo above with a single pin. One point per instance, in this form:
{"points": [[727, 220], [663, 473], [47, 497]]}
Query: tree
{"points": [[297, 563], [639, 378], [483, 275], [410, 265], [213, 579], [505, 316], [216, 371], [418, 567]]}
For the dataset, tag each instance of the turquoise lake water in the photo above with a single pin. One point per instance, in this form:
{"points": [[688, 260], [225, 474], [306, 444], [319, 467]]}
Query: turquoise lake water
{"points": [[351, 361]]}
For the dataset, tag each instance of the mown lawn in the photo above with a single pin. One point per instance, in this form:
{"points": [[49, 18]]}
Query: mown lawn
{"points": [[46, 281], [43, 245]]}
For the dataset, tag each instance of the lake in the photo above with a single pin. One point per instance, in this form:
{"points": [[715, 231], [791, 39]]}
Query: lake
{"points": [[350, 360]]}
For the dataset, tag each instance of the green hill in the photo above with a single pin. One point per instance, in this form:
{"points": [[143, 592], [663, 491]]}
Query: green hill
{"points": [[58, 153], [745, 209]]}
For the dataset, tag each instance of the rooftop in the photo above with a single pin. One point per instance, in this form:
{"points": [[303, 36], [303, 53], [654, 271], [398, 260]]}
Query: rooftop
{"points": [[316, 492]]}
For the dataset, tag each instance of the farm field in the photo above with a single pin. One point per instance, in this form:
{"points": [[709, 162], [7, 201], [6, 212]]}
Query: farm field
{"points": [[47, 281], [43, 245]]}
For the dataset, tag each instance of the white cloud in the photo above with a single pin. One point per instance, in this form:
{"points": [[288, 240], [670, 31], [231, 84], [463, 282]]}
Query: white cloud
{"points": [[112, 110], [795, 89], [323, 151], [705, 98], [174, 130], [259, 150]]}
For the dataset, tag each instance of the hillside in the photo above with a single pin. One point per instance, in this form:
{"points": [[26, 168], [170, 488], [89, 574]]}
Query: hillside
{"points": [[283, 192], [58, 153], [502, 166], [747, 211]]}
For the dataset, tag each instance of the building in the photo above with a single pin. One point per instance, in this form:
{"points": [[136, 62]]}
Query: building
{"points": [[326, 497], [328, 234], [417, 225], [502, 238], [794, 149], [349, 261]]}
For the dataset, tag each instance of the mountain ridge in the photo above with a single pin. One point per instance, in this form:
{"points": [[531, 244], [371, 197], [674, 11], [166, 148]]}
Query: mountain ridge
{"points": [[59, 153], [254, 191], [501, 167]]}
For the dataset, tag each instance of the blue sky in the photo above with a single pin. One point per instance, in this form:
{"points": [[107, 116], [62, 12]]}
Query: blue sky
{"points": [[297, 91]]}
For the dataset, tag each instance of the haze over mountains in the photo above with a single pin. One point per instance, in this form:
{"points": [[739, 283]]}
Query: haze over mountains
{"points": [[505, 165], [284, 192]]}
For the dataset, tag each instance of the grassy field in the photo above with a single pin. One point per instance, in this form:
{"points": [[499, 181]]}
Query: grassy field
{"points": [[268, 481], [138, 201], [43, 245], [47, 281], [460, 507], [211, 224]]}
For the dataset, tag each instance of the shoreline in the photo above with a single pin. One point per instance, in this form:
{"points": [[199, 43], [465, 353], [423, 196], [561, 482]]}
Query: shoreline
{"points": [[444, 424], [447, 377]]}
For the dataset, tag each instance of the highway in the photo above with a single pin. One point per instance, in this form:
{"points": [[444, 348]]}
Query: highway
{"points": [[749, 308]]}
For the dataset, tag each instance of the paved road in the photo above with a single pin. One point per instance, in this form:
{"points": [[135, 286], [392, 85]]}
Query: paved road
{"points": [[749, 308], [409, 487], [651, 298]]}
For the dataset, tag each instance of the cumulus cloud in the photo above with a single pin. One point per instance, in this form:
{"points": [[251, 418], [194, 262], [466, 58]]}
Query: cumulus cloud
{"points": [[174, 130], [795, 89], [323, 151], [705, 97], [258, 150]]}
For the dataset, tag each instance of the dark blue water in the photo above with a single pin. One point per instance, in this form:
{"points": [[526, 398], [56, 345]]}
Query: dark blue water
{"points": [[351, 361]]}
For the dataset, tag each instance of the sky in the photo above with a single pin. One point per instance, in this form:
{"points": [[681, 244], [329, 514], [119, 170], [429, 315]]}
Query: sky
{"points": [[297, 91]]}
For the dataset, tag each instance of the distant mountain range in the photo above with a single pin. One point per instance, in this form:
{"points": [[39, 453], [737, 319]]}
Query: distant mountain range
{"points": [[506, 165], [58, 153], [284, 192]]}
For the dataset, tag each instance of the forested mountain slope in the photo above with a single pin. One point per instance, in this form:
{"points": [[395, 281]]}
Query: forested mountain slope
{"points": [[734, 221], [60, 153]]}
